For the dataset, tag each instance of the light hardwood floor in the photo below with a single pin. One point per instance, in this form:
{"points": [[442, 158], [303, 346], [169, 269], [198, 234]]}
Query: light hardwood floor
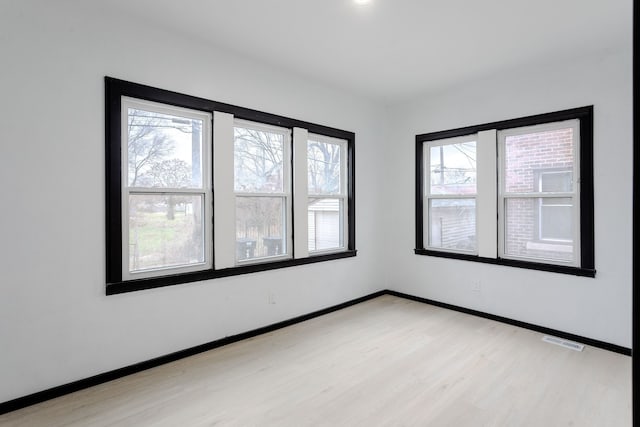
{"points": [[385, 362]]}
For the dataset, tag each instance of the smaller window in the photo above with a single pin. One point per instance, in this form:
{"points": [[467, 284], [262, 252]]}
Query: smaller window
{"points": [[529, 201], [327, 189], [262, 183], [450, 194]]}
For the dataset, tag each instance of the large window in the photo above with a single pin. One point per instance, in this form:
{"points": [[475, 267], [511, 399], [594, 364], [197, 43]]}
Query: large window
{"points": [[198, 189], [517, 192]]}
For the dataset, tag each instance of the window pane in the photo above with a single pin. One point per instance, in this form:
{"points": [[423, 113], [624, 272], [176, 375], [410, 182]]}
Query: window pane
{"points": [[258, 160], [527, 156], [165, 231], [452, 224], [556, 181], [164, 150], [260, 227], [323, 162], [539, 228], [325, 218], [453, 168], [556, 221]]}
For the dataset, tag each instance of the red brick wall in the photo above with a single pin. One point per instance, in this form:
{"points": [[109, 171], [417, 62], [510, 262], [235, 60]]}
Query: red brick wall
{"points": [[526, 156]]}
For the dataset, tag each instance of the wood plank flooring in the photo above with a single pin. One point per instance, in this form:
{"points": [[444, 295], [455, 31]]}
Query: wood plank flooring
{"points": [[384, 362]]}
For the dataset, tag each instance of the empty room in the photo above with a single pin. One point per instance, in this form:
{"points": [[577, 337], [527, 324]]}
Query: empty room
{"points": [[317, 213]]}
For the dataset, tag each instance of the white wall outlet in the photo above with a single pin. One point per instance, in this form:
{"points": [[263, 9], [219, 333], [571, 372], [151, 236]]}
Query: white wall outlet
{"points": [[475, 286], [271, 297]]}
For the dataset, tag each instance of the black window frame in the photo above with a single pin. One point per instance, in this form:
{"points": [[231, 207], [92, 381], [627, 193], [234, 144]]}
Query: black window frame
{"points": [[115, 89], [587, 236]]}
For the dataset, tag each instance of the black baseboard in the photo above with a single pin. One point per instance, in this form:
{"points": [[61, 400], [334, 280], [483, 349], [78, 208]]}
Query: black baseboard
{"points": [[548, 331], [52, 393], [64, 389]]}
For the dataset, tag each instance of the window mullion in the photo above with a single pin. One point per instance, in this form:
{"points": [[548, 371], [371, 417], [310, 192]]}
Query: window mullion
{"points": [[486, 208], [224, 197], [301, 188]]}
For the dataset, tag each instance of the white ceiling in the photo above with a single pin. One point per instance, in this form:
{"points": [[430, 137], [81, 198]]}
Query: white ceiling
{"points": [[393, 49]]}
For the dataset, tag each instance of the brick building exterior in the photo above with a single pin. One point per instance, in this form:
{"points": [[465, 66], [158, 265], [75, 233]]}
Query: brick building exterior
{"points": [[539, 162]]}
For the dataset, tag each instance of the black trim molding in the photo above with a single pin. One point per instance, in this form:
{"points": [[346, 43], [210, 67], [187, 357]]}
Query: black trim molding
{"points": [[553, 268], [636, 215], [114, 91], [32, 399], [587, 235], [52, 393], [177, 279], [548, 331]]}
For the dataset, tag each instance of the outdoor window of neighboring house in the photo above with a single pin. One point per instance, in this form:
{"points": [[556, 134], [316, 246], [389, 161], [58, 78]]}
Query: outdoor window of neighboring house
{"points": [[517, 192], [555, 214], [198, 189]]}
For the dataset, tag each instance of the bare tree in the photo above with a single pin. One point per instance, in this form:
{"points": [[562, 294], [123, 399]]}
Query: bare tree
{"points": [[146, 145], [258, 160], [174, 173], [324, 167], [259, 168]]}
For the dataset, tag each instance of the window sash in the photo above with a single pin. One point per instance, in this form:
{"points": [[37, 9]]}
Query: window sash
{"points": [[169, 267], [428, 237], [286, 224], [428, 145], [286, 154], [343, 163], [343, 224], [159, 108]]}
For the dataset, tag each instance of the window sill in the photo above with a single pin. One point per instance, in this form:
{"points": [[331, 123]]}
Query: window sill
{"points": [[554, 268], [176, 279], [549, 247]]}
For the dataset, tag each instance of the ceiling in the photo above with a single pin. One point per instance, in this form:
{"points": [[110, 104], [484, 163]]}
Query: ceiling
{"points": [[392, 49]]}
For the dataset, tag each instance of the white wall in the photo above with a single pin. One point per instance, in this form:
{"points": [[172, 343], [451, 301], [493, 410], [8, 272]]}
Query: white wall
{"points": [[56, 324], [597, 308]]}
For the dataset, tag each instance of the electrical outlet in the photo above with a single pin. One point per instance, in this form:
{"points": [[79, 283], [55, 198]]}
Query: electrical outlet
{"points": [[271, 298], [475, 286]]}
